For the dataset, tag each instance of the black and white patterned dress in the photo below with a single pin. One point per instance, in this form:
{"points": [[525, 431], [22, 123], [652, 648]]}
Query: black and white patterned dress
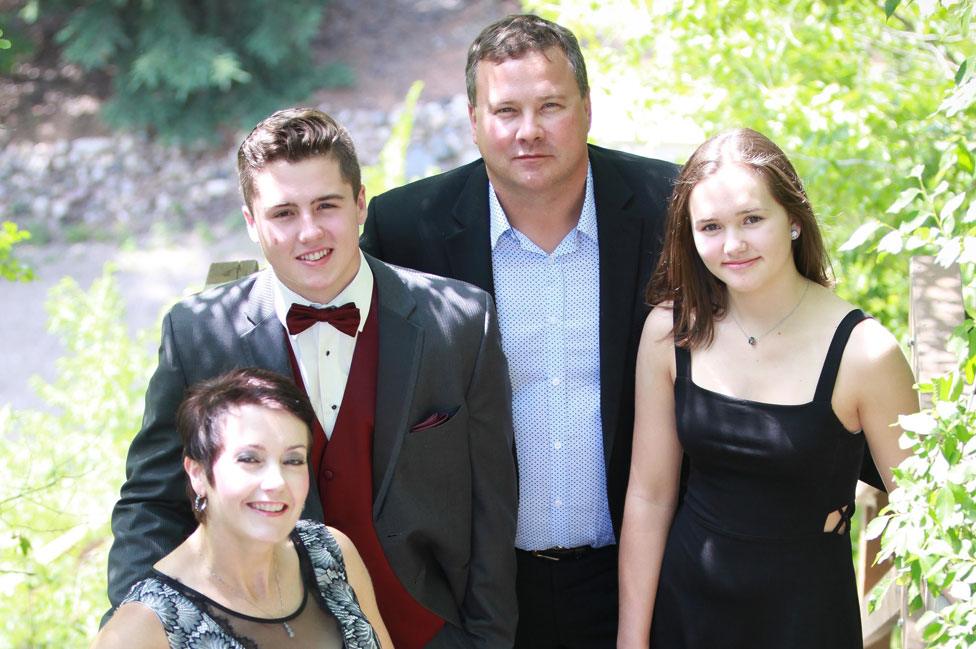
{"points": [[194, 621]]}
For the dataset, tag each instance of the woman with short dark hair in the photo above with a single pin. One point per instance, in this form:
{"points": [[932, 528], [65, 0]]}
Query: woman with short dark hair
{"points": [[251, 575]]}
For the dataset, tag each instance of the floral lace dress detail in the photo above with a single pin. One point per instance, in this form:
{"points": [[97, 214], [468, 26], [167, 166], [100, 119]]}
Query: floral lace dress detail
{"points": [[193, 621]]}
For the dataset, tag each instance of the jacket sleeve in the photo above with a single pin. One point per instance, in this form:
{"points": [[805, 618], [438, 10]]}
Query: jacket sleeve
{"points": [[152, 515], [489, 612], [369, 240]]}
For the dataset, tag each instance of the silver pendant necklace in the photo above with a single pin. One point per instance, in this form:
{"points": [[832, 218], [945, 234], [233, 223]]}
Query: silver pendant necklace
{"points": [[753, 340]]}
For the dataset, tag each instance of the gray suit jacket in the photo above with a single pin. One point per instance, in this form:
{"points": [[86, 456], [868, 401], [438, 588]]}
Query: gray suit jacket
{"points": [[444, 499]]}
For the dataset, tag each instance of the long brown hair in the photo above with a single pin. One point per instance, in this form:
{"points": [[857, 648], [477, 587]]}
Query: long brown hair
{"points": [[681, 277]]}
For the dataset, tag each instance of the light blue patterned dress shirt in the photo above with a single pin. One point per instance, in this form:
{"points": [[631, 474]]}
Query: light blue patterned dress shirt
{"points": [[549, 316]]}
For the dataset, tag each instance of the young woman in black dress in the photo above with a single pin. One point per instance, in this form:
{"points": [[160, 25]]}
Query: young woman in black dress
{"points": [[772, 386]]}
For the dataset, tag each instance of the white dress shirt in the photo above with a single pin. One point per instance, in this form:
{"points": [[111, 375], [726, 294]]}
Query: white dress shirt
{"points": [[324, 353], [549, 317]]}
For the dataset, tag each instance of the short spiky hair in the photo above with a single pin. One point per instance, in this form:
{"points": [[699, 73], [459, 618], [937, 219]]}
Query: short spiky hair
{"points": [[200, 417], [294, 135], [681, 276], [512, 37]]}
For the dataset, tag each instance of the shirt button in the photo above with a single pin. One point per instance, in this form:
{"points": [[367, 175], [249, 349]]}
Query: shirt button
{"points": [[328, 475], [327, 352], [557, 503], [552, 320], [558, 445], [555, 380], [334, 406]]}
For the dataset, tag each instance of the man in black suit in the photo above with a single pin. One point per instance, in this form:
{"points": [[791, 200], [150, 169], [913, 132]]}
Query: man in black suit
{"points": [[412, 449], [565, 236]]}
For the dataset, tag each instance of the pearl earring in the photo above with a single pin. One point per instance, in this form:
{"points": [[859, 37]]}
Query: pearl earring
{"points": [[794, 234]]}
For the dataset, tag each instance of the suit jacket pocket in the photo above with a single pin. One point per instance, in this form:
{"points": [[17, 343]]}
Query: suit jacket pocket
{"points": [[434, 420]]}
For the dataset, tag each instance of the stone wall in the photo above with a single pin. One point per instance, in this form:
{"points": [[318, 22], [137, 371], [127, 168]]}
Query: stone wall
{"points": [[107, 187]]}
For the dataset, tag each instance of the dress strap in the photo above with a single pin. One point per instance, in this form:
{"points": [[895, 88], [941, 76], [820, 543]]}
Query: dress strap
{"points": [[682, 355], [828, 375], [682, 362]]}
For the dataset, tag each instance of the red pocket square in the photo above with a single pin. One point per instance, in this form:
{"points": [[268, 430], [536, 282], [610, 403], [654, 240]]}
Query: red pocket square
{"points": [[434, 420]]}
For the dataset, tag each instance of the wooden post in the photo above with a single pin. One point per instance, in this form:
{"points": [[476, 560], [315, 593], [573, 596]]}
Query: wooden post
{"points": [[222, 272], [935, 309]]}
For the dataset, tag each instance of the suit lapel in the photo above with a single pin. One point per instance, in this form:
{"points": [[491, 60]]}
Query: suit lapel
{"points": [[467, 233], [264, 346], [264, 341], [619, 232], [400, 344]]}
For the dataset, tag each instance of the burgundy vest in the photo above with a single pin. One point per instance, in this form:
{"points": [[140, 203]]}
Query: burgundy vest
{"points": [[343, 467]]}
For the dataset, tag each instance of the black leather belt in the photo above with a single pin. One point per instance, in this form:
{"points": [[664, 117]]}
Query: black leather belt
{"points": [[562, 554]]}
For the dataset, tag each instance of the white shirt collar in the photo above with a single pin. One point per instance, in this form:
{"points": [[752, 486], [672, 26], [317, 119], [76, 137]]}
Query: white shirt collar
{"points": [[359, 290], [499, 224]]}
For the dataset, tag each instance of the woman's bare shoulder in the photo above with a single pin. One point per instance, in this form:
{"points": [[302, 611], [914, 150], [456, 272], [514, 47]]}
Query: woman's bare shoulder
{"points": [[133, 626], [660, 321]]}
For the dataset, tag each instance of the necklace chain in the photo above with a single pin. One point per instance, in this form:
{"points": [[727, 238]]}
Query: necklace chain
{"points": [[241, 592], [752, 340]]}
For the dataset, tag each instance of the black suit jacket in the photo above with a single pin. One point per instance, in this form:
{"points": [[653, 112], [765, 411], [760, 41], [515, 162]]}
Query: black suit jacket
{"points": [[440, 225], [444, 499]]}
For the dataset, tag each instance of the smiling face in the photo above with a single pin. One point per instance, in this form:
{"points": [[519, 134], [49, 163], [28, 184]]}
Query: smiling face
{"points": [[530, 122], [306, 219], [740, 232], [260, 477]]}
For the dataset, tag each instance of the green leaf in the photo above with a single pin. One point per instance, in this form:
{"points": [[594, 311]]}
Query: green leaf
{"points": [[920, 423], [931, 625], [964, 158], [891, 242], [961, 71], [944, 503], [904, 198], [970, 214], [876, 527], [861, 235], [890, 6], [949, 251], [952, 205]]}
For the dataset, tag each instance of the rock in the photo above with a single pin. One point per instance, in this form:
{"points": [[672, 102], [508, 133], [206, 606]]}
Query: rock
{"points": [[131, 180]]}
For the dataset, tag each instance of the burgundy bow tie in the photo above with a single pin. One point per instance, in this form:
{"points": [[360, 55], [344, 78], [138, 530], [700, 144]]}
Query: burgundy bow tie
{"points": [[345, 318]]}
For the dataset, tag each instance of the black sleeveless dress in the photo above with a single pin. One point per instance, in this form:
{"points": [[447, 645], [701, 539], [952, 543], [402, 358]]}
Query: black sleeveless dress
{"points": [[747, 563]]}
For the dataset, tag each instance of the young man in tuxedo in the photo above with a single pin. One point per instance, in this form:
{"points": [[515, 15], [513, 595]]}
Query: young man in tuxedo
{"points": [[565, 236], [412, 454]]}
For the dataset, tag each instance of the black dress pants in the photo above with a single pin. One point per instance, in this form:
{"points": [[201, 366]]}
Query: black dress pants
{"points": [[567, 604]]}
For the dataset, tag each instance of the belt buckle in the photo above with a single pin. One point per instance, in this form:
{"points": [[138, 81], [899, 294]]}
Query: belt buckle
{"points": [[541, 554], [560, 553]]}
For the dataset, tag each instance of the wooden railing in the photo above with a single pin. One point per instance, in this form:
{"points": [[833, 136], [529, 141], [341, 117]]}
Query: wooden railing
{"points": [[935, 309]]}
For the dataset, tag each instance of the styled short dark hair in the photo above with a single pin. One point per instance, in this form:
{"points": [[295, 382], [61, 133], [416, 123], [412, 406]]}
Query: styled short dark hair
{"points": [[681, 277], [513, 36], [200, 417], [294, 135]]}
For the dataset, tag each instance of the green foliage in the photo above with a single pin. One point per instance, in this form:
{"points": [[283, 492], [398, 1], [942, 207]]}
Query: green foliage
{"points": [[181, 68], [13, 44], [62, 468], [930, 523], [390, 170], [848, 96], [11, 268]]}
